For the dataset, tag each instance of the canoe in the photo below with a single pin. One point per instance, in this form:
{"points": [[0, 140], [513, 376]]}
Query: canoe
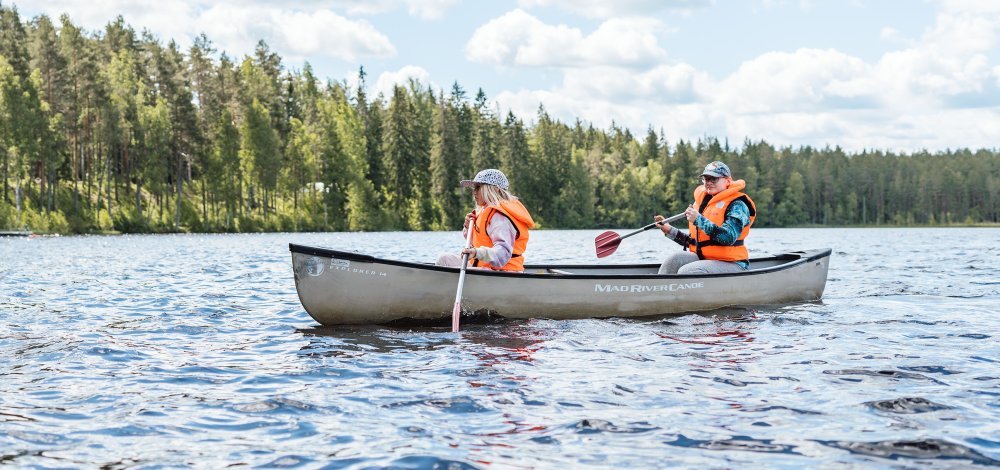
{"points": [[15, 233], [341, 287]]}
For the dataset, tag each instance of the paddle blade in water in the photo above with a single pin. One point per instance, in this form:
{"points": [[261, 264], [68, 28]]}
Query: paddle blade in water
{"points": [[607, 243]]}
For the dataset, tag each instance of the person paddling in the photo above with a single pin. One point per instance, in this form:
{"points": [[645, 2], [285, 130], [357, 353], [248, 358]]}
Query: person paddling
{"points": [[500, 225], [718, 223]]}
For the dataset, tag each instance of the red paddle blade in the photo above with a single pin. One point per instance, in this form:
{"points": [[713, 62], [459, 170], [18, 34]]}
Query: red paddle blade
{"points": [[607, 243]]}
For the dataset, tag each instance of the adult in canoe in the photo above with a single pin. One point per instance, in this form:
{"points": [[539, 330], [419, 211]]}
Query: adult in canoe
{"points": [[500, 225], [718, 223]]}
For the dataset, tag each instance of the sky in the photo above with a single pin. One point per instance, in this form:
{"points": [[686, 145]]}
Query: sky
{"points": [[901, 75]]}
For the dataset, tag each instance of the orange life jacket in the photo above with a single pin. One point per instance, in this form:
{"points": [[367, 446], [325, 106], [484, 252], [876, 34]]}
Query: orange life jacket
{"points": [[519, 217], [714, 210]]}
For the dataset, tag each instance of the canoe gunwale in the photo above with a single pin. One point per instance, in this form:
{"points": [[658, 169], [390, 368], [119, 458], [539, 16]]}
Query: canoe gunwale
{"points": [[792, 259]]}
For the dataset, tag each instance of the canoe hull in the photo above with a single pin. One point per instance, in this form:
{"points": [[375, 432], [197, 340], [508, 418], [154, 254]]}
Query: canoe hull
{"points": [[339, 288]]}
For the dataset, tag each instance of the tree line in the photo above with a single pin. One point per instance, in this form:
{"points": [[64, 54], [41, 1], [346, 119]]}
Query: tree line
{"points": [[115, 130]]}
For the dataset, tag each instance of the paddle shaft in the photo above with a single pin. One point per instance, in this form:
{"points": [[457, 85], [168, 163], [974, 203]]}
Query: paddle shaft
{"points": [[456, 312], [654, 224]]}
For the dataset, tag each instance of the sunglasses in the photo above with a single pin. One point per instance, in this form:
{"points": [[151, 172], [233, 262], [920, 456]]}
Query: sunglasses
{"points": [[709, 179]]}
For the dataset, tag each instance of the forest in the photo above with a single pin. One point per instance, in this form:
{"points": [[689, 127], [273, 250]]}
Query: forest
{"points": [[115, 131]]}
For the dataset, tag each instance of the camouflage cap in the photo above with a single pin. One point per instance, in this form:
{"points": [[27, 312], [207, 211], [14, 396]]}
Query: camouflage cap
{"points": [[718, 170]]}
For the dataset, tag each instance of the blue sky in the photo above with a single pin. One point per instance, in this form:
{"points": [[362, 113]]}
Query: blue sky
{"points": [[862, 74]]}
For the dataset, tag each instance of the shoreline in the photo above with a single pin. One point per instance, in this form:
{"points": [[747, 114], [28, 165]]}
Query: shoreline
{"points": [[9, 233]]}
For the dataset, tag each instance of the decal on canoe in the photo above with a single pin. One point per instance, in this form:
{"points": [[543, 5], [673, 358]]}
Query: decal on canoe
{"points": [[641, 288], [344, 265], [314, 266]]}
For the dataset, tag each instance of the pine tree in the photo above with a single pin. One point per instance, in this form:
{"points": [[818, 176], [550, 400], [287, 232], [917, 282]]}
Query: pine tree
{"points": [[16, 81]]}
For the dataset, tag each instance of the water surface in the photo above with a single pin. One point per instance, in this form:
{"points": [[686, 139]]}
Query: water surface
{"points": [[192, 350]]}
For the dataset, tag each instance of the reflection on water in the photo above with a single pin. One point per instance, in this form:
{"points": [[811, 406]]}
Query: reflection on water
{"points": [[181, 350], [937, 449]]}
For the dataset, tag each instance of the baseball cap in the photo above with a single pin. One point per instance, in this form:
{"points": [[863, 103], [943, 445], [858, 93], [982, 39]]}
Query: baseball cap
{"points": [[489, 176], [718, 170]]}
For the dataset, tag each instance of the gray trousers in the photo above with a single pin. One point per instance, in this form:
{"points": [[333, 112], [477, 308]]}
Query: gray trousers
{"points": [[449, 259], [453, 260], [686, 262]]}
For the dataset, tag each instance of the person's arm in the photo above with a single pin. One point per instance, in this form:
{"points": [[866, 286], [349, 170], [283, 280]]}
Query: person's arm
{"points": [[671, 232], [678, 236], [737, 217], [503, 234]]}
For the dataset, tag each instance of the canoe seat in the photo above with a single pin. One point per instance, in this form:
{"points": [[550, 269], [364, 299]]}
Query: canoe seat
{"points": [[557, 271]]}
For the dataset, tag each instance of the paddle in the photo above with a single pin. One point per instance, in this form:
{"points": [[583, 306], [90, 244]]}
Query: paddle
{"points": [[607, 242], [457, 311]]}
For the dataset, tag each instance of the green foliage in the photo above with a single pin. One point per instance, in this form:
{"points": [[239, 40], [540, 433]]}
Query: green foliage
{"points": [[104, 221], [131, 222], [7, 217], [247, 224], [789, 211], [363, 211], [202, 142], [40, 222]]}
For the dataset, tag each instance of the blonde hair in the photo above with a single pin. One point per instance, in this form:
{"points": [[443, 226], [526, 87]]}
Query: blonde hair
{"points": [[492, 195]]}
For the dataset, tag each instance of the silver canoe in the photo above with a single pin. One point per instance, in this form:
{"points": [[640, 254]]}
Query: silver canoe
{"points": [[338, 287]]}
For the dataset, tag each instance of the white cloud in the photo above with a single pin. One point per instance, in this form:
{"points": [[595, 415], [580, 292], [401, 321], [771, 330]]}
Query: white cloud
{"points": [[679, 120], [936, 91], [423, 9], [624, 41], [667, 84], [519, 39], [617, 8], [320, 33], [970, 6], [353, 7], [429, 9], [950, 60], [168, 19], [236, 27], [387, 80], [930, 129], [787, 127], [889, 33], [806, 80], [939, 88], [667, 96]]}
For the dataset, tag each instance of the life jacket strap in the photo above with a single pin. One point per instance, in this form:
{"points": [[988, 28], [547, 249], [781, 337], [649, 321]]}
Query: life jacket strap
{"points": [[715, 243]]}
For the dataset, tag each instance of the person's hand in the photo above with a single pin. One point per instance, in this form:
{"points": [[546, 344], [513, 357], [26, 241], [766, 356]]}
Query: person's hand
{"points": [[470, 219], [469, 251], [691, 213], [665, 228]]}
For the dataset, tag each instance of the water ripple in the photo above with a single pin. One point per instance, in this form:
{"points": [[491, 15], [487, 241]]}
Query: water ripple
{"points": [[923, 449], [193, 350], [736, 443], [907, 405]]}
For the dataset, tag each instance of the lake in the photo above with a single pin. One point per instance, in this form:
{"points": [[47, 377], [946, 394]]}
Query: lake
{"points": [[193, 350]]}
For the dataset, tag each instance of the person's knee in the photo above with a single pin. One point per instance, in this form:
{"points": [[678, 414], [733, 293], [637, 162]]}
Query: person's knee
{"points": [[675, 261], [710, 267], [693, 268], [669, 266], [447, 259]]}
